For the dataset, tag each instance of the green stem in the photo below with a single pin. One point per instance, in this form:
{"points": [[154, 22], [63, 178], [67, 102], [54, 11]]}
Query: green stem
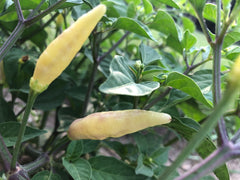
{"points": [[208, 125], [31, 99]]}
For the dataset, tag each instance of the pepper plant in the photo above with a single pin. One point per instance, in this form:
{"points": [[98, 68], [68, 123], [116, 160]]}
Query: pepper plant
{"points": [[179, 57]]}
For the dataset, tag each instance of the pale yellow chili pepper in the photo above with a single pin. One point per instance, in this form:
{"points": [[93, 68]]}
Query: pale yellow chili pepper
{"points": [[234, 76], [115, 123], [62, 50]]}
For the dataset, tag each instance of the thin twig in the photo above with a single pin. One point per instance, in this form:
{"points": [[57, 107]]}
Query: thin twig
{"points": [[113, 47], [156, 100], [19, 11]]}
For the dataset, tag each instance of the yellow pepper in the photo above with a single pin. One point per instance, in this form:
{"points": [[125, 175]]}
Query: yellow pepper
{"points": [[115, 123], [62, 50], [234, 76]]}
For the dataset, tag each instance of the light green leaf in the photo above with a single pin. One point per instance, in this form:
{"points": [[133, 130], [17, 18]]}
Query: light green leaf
{"points": [[188, 40], [170, 3], [9, 131], [198, 5], [210, 12], [231, 37], [134, 26], [122, 81], [164, 23], [187, 85], [188, 24], [108, 168], [147, 6], [79, 169]]}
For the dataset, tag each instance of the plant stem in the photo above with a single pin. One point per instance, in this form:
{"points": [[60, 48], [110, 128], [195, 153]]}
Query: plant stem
{"points": [[34, 19], [113, 47], [153, 102], [22, 24], [39, 162], [208, 125], [221, 128], [19, 10], [90, 88], [8, 44], [217, 158], [31, 99]]}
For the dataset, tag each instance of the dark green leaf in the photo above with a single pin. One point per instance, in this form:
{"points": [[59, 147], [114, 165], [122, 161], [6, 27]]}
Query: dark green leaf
{"points": [[46, 175], [142, 168], [134, 26], [9, 131], [6, 113], [52, 97], [147, 143], [74, 150], [90, 145], [187, 85], [108, 168], [79, 169], [148, 54], [65, 117], [121, 81]]}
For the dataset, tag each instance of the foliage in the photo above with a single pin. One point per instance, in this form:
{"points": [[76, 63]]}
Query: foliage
{"points": [[143, 54]]}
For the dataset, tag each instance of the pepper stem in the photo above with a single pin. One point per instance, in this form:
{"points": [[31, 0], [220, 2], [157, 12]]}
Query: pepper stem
{"points": [[31, 99]]}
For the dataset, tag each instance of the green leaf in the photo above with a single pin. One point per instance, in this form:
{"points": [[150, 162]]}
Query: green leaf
{"points": [[131, 10], [46, 175], [148, 54], [147, 6], [170, 3], [142, 168], [79, 169], [188, 40], [231, 37], [164, 23], [198, 5], [74, 150], [134, 26], [90, 145], [65, 117], [9, 131], [210, 12], [191, 110], [52, 97], [147, 143], [188, 24], [122, 81], [187, 85], [108, 168], [187, 128], [6, 113]]}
